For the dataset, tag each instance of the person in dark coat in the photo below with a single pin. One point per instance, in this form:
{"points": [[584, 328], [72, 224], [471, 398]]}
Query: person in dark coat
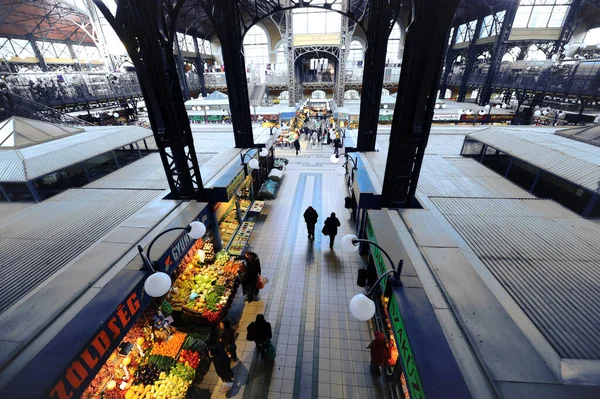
{"points": [[310, 217], [226, 335], [332, 223], [251, 276], [259, 331], [380, 352], [336, 145], [297, 145], [222, 363]]}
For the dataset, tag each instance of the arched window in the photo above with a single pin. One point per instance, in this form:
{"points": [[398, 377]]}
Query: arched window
{"points": [[320, 94], [352, 95], [281, 59], [356, 53], [385, 92], [284, 95], [393, 47], [256, 46]]}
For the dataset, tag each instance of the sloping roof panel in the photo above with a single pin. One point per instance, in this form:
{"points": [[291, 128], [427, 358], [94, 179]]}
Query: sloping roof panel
{"points": [[576, 162], [546, 257], [35, 161]]}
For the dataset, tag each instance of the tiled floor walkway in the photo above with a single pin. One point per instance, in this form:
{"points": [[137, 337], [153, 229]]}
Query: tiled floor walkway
{"points": [[320, 346]]}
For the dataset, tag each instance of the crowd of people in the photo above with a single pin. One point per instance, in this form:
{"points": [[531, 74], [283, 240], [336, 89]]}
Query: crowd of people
{"points": [[318, 132]]}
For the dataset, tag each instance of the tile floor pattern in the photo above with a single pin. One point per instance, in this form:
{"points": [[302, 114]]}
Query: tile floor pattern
{"points": [[320, 346]]}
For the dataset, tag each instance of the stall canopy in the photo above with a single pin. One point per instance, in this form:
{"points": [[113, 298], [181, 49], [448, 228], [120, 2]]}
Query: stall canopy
{"points": [[588, 134], [287, 113], [216, 95]]}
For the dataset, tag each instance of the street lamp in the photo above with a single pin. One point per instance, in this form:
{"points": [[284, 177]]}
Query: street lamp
{"points": [[206, 108], [362, 306], [159, 283], [335, 158]]}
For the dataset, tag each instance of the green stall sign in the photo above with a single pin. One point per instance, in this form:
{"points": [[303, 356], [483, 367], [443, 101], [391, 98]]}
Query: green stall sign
{"points": [[376, 253]]}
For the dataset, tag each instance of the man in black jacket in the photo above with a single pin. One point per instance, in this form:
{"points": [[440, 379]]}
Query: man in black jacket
{"points": [[310, 217], [332, 223], [260, 332]]}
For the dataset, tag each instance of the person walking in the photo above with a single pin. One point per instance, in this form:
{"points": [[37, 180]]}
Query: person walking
{"points": [[336, 144], [222, 365], [251, 276], [297, 145], [380, 352], [226, 335], [331, 224], [259, 331], [310, 217]]}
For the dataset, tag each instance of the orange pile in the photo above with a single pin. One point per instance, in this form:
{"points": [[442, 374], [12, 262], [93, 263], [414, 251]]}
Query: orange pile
{"points": [[169, 347]]}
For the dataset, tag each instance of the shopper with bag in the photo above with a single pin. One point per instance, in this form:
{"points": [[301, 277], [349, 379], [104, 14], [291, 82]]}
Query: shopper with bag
{"points": [[259, 331], [380, 352], [251, 276], [222, 365], [331, 228]]}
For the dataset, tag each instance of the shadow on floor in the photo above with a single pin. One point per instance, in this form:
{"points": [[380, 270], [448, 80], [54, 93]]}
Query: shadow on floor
{"points": [[332, 261]]}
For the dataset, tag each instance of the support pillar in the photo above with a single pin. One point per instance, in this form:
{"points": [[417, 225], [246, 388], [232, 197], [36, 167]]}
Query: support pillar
{"points": [[73, 56], [421, 68], [338, 91], [147, 30], [382, 16], [226, 18], [500, 46], [200, 68], [181, 71], [450, 55], [471, 56], [38, 53], [289, 54]]}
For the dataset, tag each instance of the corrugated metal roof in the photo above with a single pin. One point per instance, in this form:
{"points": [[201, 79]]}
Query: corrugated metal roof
{"points": [[41, 159], [39, 240], [546, 257], [574, 161]]}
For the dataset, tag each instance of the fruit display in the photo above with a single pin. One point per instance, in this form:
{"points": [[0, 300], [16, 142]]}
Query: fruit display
{"points": [[209, 252], [244, 206], [257, 207], [169, 347], [184, 371], [171, 387], [189, 358], [392, 342], [146, 374]]}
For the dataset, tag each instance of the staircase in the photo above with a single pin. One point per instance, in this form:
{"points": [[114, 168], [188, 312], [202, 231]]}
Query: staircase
{"points": [[14, 105], [257, 95]]}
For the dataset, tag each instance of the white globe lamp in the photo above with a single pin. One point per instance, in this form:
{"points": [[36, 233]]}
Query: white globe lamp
{"points": [[197, 230], [334, 158], [498, 106], [116, 114], [437, 106], [253, 164], [340, 171], [348, 244], [157, 284], [264, 152], [362, 307], [443, 105]]}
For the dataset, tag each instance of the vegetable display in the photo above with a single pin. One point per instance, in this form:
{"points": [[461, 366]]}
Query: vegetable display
{"points": [[169, 347], [189, 358], [183, 371], [162, 362]]}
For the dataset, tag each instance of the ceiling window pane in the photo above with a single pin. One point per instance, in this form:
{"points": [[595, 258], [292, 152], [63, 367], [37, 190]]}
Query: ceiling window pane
{"points": [[557, 18], [539, 17], [522, 16], [281, 59], [256, 46]]}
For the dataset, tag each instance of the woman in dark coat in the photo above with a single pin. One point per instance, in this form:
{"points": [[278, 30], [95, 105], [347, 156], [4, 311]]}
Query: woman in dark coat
{"points": [[332, 223], [222, 363], [310, 217], [226, 335], [297, 145], [380, 352], [251, 276], [260, 332]]}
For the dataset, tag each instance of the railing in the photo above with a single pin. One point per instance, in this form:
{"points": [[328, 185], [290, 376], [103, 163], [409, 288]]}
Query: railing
{"points": [[14, 105], [565, 77]]}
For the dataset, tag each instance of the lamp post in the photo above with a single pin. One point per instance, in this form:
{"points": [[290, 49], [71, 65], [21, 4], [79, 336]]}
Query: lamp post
{"points": [[206, 108], [159, 283], [361, 305], [253, 163], [335, 158]]}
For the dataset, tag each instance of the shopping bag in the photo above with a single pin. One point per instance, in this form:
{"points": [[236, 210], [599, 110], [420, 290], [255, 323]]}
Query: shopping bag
{"points": [[271, 351], [325, 231], [259, 283], [226, 387]]}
